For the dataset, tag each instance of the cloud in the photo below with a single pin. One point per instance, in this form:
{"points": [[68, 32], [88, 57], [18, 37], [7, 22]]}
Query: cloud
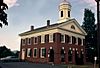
{"points": [[11, 3], [91, 3]]}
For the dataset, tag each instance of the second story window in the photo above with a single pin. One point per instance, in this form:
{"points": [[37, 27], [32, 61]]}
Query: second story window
{"points": [[39, 39], [62, 38], [29, 41], [79, 41], [42, 38], [54, 37], [35, 40], [23, 41], [46, 38], [51, 38], [67, 39], [73, 40]]}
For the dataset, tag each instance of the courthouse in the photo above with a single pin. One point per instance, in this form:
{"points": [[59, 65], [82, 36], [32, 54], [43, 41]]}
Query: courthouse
{"points": [[61, 42]]}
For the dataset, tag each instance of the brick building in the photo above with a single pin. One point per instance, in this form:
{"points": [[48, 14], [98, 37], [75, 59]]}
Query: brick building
{"points": [[62, 42]]}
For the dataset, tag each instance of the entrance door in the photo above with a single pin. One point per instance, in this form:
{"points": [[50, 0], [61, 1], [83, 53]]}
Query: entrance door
{"points": [[23, 54], [51, 57]]}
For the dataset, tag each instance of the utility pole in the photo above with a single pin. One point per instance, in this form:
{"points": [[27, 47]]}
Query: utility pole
{"points": [[98, 29]]}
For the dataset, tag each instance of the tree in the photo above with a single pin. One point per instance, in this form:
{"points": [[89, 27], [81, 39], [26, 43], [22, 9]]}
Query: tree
{"points": [[4, 52], [3, 15], [90, 40]]}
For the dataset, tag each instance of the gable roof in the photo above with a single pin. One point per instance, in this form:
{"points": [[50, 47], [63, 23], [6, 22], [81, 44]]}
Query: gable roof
{"points": [[52, 26]]}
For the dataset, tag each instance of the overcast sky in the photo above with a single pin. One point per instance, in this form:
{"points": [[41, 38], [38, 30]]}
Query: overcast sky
{"points": [[24, 13]]}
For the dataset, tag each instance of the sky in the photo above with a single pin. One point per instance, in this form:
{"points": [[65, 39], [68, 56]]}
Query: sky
{"points": [[24, 13]]}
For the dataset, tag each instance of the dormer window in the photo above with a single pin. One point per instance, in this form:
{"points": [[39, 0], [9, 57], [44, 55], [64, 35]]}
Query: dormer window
{"points": [[73, 27]]}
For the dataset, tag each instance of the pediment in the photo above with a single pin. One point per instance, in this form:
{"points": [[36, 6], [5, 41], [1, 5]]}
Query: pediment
{"points": [[73, 26]]}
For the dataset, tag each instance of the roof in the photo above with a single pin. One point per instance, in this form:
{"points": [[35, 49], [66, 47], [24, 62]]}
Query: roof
{"points": [[45, 28]]}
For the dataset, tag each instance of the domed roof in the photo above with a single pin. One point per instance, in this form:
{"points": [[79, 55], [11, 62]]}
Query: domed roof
{"points": [[64, 2]]}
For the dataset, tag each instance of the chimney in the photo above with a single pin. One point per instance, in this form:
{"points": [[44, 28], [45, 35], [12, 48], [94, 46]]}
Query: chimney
{"points": [[32, 28], [48, 22]]}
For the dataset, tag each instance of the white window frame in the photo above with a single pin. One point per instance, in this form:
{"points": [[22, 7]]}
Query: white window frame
{"points": [[42, 51], [50, 38], [63, 41], [28, 51], [23, 41], [28, 41], [36, 53], [36, 40], [42, 38]]}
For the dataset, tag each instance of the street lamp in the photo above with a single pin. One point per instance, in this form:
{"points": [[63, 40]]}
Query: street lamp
{"points": [[98, 29], [95, 58]]}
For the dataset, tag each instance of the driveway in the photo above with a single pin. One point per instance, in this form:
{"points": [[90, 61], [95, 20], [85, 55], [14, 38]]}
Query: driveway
{"points": [[28, 65]]}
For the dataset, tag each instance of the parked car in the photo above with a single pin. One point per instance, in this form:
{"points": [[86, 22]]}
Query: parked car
{"points": [[10, 59]]}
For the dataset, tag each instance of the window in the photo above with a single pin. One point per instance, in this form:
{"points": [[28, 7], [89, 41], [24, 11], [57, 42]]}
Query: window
{"points": [[67, 39], [23, 41], [42, 39], [46, 38], [35, 40], [62, 38], [51, 38], [73, 40], [83, 41], [54, 39], [29, 52], [79, 41], [39, 39], [68, 13], [61, 13], [29, 41], [35, 52], [73, 27], [43, 52]]}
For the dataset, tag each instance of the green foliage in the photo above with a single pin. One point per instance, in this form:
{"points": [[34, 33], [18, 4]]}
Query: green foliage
{"points": [[3, 15], [4, 52], [90, 40]]}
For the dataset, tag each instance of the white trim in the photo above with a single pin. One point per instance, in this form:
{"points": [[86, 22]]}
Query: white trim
{"points": [[42, 38], [70, 42], [82, 42], [23, 41], [42, 51], [36, 40], [28, 51], [76, 41], [28, 41], [63, 41], [50, 38]]}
